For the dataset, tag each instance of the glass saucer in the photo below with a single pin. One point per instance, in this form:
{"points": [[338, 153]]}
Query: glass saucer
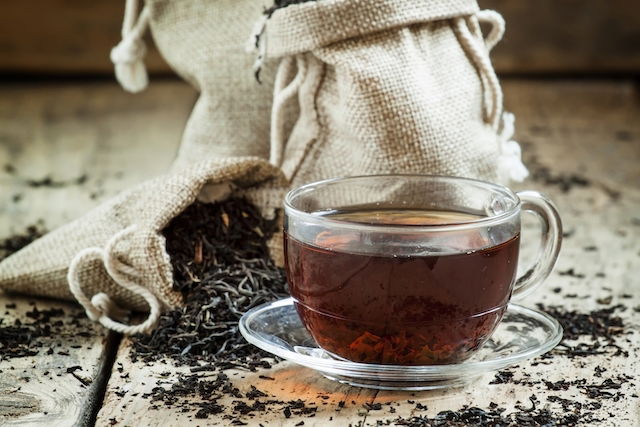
{"points": [[522, 334]]}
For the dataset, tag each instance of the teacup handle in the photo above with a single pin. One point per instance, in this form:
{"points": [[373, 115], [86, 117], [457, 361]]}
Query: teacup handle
{"points": [[545, 210]]}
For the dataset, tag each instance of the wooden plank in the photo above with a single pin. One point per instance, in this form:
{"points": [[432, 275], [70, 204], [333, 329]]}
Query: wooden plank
{"points": [[64, 36], [543, 36], [570, 36], [55, 386], [583, 128], [64, 148], [129, 401]]}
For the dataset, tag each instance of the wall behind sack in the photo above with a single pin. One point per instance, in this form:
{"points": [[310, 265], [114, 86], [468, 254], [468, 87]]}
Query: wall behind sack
{"points": [[543, 36], [63, 37], [568, 36]]}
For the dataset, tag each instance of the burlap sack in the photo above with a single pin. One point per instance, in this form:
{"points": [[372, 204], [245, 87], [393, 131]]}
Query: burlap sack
{"points": [[115, 255], [382, 86], [389, 86], [205, 43]]}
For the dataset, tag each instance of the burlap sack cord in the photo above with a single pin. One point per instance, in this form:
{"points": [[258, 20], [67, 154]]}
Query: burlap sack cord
{"points": [[128, 55], [282, 94], [299, 37], [101, 308], [509, 163]]}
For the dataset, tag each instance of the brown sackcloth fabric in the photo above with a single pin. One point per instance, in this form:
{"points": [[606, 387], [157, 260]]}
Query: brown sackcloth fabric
{"points": [[204, 42], [388, 86], [135, 219]]}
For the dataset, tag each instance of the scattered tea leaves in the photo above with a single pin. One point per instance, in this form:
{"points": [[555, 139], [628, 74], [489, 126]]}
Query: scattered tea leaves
{"points": [[40, 333], [222, 266], [49, 182], [494, 416], [600, 327], [564, 181], [14, 243]]}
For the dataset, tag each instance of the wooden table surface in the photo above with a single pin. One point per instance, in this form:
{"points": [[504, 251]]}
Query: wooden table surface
{"points": [[587, 129]]}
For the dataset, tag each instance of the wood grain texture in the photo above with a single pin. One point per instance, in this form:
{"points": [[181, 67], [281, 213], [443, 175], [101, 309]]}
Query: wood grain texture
{"points": [[90, 140], [543, 36], [65, 133], [569, 36], [63, 36], [127, 402], [38, 390], [586, 128]]}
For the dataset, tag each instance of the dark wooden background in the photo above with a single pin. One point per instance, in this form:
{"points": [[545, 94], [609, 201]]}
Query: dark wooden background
{"points": [[561, 37]]}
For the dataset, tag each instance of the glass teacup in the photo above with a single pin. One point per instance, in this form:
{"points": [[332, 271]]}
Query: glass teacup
{"points": [[409, 269]]}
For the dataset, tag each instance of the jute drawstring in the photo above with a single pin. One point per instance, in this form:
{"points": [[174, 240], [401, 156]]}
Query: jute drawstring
{"points": [[282, 93], [101, 308], [479, 55], [128, 55], [477, 47], [497, 27]]}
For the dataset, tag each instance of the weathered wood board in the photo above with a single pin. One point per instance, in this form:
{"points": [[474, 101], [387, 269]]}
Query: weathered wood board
{"points": [[543, 36], [56, 385], [567, 37], [63, 149], [63, 36], [588, 130]]}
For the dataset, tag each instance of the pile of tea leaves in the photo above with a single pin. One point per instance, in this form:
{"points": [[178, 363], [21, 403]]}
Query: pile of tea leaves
{"points": [[495, 416], [588, 333], [221, 265]]}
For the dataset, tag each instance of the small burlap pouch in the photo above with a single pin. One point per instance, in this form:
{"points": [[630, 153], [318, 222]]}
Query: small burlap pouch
{"points": [[388, 86], [114, 257], [116, 252]]}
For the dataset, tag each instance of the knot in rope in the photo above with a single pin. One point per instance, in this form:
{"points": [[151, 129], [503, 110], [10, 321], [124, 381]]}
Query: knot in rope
{"points": [[129, 51], [101, 308], [128, 55]]}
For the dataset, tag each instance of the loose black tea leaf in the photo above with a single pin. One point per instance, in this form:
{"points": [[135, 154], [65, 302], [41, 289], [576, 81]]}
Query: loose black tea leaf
{"points": [[279, 4], [222, 266], [43, 330], [600, 327], [14, 243]]}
